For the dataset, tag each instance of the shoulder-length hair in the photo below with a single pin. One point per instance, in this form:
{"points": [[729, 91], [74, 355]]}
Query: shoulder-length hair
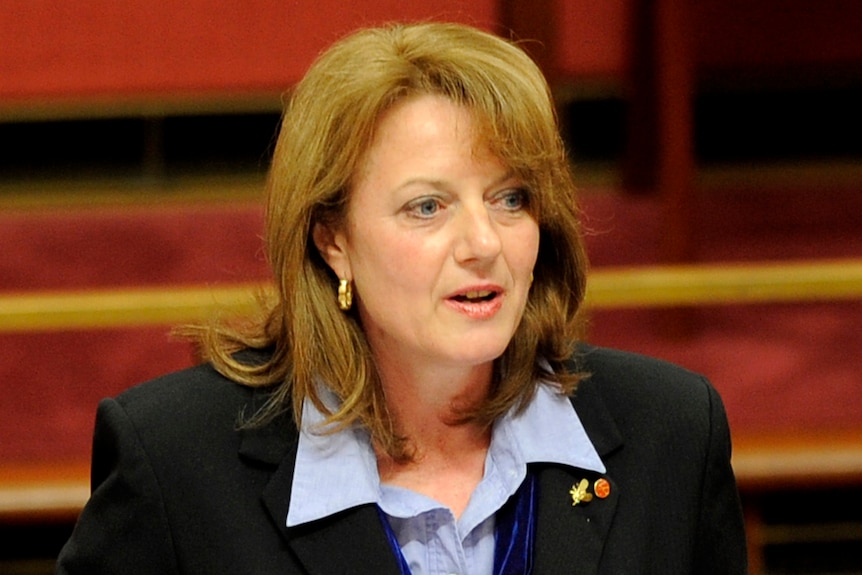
{"points": [[327, 126]]}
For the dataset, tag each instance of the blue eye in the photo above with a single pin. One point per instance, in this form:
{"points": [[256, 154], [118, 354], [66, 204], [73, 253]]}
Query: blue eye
{"points": [[424, 207], [514, 200]]}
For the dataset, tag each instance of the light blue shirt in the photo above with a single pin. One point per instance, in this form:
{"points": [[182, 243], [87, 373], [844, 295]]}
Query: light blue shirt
{"points": [[339, 471]]}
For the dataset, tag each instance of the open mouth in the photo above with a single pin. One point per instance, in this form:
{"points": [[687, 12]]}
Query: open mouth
{"points": [[476, 296]]}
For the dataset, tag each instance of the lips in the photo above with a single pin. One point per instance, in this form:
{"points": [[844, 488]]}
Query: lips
{"points": [[477, 303]]}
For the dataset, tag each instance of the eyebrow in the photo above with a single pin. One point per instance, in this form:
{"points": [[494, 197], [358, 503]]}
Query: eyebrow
{"points": [[442, 185]]}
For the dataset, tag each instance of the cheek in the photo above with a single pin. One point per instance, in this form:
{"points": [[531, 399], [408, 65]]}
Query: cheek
{"points": [[385, 261], [524, 247]]}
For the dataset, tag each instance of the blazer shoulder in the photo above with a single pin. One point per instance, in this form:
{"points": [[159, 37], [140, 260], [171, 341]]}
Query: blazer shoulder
{"points": [[186, 393], [181, 407], [624, 372], [643, 394]]}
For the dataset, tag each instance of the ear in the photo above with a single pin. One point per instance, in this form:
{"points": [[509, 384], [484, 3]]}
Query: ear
{"points": [[332, 246]]}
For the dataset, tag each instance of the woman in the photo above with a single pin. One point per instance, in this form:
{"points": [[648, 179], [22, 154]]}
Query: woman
{"points": [[428, 268]]}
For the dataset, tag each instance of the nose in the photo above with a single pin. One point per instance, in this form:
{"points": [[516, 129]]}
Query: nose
{"points": [[478, 238]]}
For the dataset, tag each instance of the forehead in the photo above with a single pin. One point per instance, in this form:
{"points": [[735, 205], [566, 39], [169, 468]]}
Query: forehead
{"points": [[420, 111], [429, 119], [421, 130]]}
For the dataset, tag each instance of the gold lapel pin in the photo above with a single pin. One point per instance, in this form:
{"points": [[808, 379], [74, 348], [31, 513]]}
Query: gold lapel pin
{"points": [[579, 493]]}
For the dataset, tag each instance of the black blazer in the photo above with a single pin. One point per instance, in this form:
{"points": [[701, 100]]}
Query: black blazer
{"points": [[178, 489]]}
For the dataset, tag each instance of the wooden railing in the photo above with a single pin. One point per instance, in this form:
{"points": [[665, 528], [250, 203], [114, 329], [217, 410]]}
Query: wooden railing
{"points": [[97, 309], [645, 286], [713, 284]]}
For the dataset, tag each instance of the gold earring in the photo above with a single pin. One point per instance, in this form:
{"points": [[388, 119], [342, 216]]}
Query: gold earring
{"points": [[345, 295]]}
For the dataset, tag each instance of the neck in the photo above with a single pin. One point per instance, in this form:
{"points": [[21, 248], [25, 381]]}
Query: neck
{"points": [[428, 406], [446, 467], [447, 454]]}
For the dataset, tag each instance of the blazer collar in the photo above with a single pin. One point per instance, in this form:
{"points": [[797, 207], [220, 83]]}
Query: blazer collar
{"points": [[569, 538], [320, 545], [349, 542]]}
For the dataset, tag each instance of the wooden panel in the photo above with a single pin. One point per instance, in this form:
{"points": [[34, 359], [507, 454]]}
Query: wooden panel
{"points": [[574, 41], [770, 33], [56, 48], [594, 37]]}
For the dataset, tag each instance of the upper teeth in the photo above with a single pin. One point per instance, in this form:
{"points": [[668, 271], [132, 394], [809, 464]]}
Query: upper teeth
{"points": [[477, 294]]}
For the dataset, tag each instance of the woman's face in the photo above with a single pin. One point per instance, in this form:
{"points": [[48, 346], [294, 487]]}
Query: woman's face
{"points": [[439, 241]]}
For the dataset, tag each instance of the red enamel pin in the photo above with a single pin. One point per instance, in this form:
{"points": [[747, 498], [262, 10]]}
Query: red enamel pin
{"points": [[602, 488]]}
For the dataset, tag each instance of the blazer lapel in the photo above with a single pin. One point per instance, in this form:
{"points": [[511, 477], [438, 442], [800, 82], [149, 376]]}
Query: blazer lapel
{"points": [[352, 542], [570, 537], [348, 543]]}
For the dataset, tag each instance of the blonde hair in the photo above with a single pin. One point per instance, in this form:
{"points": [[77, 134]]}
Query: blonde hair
{"points": [[327, 126]]}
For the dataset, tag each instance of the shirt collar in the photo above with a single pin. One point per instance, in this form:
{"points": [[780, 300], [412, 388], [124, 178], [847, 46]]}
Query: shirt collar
{"points": [[338, 471], [550, 431], [333, 471]]}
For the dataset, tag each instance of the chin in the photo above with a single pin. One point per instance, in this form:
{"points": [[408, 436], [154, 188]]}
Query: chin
{"points": [[479, 353]]}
